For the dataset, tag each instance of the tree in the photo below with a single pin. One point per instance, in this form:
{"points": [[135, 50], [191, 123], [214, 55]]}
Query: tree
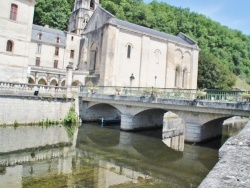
{"points": [[212, 74], [54, 13]]}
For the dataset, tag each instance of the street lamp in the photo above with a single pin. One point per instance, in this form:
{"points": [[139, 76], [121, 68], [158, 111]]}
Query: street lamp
{"points": [[131, 79], [155, 80]]}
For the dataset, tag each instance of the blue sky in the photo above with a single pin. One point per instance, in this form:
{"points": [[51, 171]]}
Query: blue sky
{"points": [[232, 13]]}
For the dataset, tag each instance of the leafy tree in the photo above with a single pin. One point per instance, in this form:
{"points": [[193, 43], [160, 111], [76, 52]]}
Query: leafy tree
{"points": [[54, 13], [212, 74]]}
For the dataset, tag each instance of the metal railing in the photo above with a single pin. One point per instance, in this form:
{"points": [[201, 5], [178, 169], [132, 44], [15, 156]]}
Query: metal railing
{"points": [[170, 93]]}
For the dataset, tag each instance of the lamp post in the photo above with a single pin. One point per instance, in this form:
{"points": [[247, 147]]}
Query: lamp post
{"points": [[131, 78]]}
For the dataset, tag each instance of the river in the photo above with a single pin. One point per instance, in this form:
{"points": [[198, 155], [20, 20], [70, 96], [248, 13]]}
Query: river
{"points": [[93, 156]]}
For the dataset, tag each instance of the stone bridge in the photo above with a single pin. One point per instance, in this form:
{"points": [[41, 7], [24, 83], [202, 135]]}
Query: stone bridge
{"points": [[203, 118]]}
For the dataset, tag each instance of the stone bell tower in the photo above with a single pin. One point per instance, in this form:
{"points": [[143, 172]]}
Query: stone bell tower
{"points": [[83, 10]]}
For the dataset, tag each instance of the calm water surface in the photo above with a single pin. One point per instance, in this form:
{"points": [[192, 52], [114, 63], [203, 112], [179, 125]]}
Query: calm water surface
{"points": [[93, 156]]}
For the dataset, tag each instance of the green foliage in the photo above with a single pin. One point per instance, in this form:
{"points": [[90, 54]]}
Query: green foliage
{"points": [[16, 124], [212, 74], [54, 13], [71, 116]]}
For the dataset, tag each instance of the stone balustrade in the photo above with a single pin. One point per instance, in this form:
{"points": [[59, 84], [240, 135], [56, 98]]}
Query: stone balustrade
{"points": [[23, 89]]}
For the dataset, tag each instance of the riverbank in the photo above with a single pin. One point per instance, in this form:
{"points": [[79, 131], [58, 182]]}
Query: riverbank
{"points": [[233, 167]]}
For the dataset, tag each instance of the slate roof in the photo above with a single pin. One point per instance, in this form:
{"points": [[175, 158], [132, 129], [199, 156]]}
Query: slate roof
{"points": [[49, 35], [149, 31]]}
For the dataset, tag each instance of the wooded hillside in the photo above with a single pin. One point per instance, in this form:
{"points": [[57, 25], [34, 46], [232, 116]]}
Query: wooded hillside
{"points": [[224, 52]]}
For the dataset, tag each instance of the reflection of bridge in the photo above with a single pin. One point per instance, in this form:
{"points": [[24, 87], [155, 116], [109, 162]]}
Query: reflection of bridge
{"points": [[139, 109], [130, 153], [105, 157]]}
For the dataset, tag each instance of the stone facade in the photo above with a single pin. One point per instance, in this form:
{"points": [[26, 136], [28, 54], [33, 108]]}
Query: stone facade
{"points": [[16, 26], [120, 53], [33, 109]]}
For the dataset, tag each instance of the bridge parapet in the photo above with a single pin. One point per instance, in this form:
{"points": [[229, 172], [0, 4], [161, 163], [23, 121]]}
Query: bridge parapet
{"points": [[171, 93], [23, 89], [196, 105]]}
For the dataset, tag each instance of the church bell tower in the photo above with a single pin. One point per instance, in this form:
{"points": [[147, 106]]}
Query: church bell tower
{"points": [[83, 10]]}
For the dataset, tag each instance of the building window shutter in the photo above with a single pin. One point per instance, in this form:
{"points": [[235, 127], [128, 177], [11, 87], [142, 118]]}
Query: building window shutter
{"points": [[57, 51], [56, 64], [38, 61], [13, 11], [129, 51], [9, 46], [72, 53]]}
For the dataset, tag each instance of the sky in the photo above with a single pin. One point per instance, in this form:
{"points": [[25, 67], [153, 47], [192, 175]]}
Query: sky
{"points": [[232, 13]]}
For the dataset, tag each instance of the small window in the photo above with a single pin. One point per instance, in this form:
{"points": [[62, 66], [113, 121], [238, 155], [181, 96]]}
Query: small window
{"points": [[9, 47], [57, 51], [177, 77], [39, 48], [129, 51], [13, 12], [72, 38], [92, 5], [56, 64], [40, 36], [72, 53], [38, 61], [57, 40]]}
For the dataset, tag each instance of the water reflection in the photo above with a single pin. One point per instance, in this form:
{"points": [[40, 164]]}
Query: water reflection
{"points": [[97, 157], [173, 131]]}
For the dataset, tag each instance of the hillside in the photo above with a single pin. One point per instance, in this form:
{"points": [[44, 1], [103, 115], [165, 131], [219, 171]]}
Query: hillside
{"points": [[224, 52]]}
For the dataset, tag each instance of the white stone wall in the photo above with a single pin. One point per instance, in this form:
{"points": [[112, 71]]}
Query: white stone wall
{"points": [[31, 110], [148, 68], [72, 45], [24, 137], [13, 65], [47, 55]]}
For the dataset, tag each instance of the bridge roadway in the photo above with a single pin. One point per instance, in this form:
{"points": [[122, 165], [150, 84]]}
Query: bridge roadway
{"points": [[203, 118]]}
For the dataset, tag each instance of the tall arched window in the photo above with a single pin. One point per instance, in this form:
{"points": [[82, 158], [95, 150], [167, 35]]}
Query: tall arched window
{"points": [[177, 77], [184, 78], [157, 54], [13, 11], [92, 5], [9, 46], [129, 51]]}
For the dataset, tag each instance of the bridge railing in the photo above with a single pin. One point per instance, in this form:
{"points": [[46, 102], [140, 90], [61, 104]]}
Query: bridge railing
{"points": [[170, 93]]}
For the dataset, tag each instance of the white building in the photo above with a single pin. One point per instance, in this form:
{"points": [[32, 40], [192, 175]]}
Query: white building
{"points": [[16, 17], [103, 49]]}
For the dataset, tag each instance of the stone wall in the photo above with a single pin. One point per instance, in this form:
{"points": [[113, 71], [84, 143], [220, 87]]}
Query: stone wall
{"points": [[233, 168], [31, 109]]}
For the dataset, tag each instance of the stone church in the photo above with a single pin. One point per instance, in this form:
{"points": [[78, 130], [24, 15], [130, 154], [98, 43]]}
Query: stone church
{"points": [[102, 50]]}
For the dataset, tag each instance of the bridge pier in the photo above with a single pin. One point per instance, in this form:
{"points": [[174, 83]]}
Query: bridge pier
{"points": [[195, 132], [140, 121]]}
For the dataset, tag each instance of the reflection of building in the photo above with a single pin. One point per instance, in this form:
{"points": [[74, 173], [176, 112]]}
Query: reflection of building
{"points": [[112, 51]]}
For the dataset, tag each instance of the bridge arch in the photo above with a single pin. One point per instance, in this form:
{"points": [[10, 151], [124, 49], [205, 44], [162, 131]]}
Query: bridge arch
{"points": [[94, 111]]}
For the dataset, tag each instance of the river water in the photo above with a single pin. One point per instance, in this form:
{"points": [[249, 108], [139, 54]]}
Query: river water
{"points": [[93, 156]]}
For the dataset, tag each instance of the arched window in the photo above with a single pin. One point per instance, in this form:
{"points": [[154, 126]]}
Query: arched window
{"points": [[9, 47], [40, 36], [92, 5], [184, 78], [129, 51], [13, 11], [157, 54], [57, 39], [177, 77]]}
